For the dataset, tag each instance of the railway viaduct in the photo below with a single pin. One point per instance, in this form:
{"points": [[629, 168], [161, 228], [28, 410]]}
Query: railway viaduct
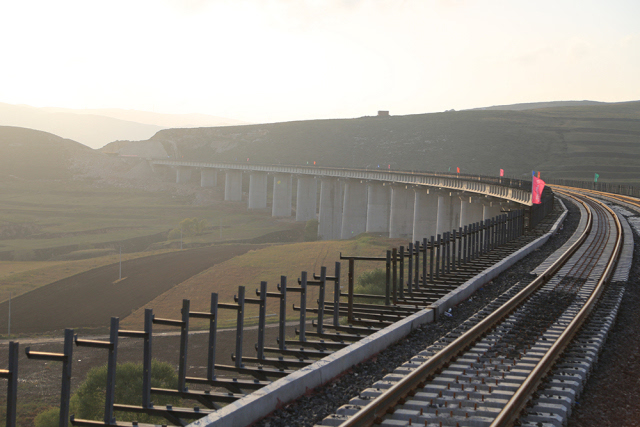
{"points": [[402, 204]]}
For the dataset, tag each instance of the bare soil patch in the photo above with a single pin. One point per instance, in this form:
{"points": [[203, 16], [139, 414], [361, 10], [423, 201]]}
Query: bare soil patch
{"points": [[89, 299]]}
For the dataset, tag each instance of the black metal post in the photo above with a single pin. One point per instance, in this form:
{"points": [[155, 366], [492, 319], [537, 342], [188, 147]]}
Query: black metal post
{"points": [[416, 280], [401, 277], [11, 375], [465, 252], [459, 247], [424, 261], [432, 262], [213, 337], [239, 327], [394, 255], [262, 320], [184, 342], [146, 357], [387, 292], [453, 250], [303, 305], [438, 250], [321, 298], [282, 287], [350, 278], [336, 296]]}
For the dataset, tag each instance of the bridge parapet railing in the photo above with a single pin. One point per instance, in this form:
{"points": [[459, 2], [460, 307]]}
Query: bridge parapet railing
{"points": [[506, 188]]}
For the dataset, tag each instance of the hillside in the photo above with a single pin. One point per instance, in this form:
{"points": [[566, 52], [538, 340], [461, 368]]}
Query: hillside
{"points": [[562, 142], [538, 105], [97, 127]]}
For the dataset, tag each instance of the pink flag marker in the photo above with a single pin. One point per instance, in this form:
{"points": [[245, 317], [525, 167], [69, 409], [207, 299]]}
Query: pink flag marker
{"points": [[536, 191], [501, 172]]}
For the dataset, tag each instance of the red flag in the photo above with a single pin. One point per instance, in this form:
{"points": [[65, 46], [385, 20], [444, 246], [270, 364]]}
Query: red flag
{"points": [[536, 191], [538, 174], [458, 170], [501, 172]]}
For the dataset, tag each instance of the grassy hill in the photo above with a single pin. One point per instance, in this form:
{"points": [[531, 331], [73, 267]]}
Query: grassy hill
{"points": [[562, 142], [60, 197]]}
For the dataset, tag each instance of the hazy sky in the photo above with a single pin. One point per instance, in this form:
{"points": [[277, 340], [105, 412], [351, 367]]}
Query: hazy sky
{"points": [[279, 60]]}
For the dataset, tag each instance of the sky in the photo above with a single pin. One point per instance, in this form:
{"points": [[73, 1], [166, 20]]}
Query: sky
{"points": [[281, 60]]}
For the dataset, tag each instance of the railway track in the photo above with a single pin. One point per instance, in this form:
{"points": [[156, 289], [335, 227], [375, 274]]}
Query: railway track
{"points": [[487, 370]]}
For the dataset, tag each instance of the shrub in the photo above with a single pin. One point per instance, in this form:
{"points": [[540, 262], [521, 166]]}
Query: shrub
{"points": [[88, 401], [188, 227], [373, 282]]}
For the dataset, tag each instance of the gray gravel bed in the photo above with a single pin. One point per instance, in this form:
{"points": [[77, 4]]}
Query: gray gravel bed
{"points": [[325, 400], [612, 395]]}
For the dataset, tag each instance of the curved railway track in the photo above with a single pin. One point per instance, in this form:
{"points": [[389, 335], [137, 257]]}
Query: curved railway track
{"points": [[486, 371]]}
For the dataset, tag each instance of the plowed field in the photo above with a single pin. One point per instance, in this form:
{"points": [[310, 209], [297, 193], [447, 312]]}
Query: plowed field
{"points": [[89, 299]]}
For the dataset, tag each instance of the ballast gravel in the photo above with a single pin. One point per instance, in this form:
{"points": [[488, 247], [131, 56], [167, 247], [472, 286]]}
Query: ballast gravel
{"points": [[311, 409], [611, 397]]}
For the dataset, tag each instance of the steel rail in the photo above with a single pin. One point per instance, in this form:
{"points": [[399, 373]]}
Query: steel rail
{"points": [[374, 411], [511, 411]]}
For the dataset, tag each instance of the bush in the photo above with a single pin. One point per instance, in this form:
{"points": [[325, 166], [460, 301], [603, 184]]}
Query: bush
{"points": [[88, 401], [372, 282], [188, 227], [311, 230]]}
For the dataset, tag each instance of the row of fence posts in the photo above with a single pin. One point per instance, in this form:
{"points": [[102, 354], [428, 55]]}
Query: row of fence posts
{"points": [[441, 253]]}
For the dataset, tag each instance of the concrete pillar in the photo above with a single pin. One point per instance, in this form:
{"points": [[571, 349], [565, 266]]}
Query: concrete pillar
{"points": [[257, 190], [281, 205], [330, 216], [401, 216], [306, 198], [233, 186], [378, 207], [471, 211], [448, 212], [183, 174], [354, 209], [425, 214], [208, 177], [490, 210]]}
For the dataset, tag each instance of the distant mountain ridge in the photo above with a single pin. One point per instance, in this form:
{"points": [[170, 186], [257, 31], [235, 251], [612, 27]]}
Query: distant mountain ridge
{"points": [[98, 127], [538, 105], [574, 141]]}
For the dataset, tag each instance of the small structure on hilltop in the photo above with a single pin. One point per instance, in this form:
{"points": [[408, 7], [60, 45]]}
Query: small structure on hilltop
{"points": [[383, 113]]}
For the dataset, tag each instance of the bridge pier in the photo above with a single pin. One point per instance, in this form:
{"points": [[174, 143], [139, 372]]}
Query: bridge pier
{"points": [[281, 205], [330, 216], [354, 209], [183, 174], [233, 185], [306, 198], [448, 212], [402, 207], [425, 214], [470, 210], [208, 177], [491, 209], [378, 207], [257, 190]]}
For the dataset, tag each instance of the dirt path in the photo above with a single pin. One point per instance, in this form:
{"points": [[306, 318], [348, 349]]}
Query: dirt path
{"points": [[89, 299]]}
